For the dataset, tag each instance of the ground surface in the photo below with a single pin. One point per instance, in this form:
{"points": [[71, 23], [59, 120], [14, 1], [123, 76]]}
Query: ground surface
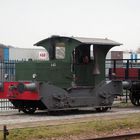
{"points": [[14, 119]]}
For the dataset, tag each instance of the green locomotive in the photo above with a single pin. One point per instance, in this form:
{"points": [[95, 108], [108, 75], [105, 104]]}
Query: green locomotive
{"points": [[73, 77]]}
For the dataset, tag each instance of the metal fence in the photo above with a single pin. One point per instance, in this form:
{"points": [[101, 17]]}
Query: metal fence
{"points": [[5, 105], [7, 73], [7, 70]]}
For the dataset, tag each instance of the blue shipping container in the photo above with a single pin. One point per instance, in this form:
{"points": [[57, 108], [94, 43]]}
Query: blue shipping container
{"points": [[6, 53]]}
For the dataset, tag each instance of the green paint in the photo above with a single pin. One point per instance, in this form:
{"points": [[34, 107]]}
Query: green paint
{"points": [[64, 72]]}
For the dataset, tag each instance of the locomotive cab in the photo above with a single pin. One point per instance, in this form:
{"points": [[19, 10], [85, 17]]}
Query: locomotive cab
{"points": [[79, 61]]}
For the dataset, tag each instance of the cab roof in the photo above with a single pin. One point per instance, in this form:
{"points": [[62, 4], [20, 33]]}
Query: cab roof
{"points": [[83, 40]]}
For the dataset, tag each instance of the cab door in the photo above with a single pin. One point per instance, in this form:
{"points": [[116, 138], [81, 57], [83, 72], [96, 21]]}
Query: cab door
{"points": [[83, 66]]}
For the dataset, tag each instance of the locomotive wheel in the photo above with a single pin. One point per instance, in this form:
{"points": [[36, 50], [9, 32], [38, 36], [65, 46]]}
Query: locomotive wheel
{"points": [[101, 109], [29, 110], [135, 100]]}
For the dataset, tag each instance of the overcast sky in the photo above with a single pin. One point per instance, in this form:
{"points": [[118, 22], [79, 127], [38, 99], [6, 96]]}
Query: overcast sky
{"points": [[25, 22]]}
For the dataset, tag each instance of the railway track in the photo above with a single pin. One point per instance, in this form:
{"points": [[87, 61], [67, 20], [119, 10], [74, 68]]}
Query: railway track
{"points": [[133, 136]]}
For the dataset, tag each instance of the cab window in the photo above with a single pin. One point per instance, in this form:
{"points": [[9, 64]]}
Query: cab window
{"points": [[60, 51]]}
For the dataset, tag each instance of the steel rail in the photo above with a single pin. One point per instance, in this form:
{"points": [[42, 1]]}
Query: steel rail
{"points": [[119, 137]]}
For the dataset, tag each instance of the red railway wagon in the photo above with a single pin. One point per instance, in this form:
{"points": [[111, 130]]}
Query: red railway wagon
{"points": [[129, 74], [124, 73]]}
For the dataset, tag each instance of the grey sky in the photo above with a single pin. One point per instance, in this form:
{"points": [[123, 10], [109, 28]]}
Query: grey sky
{"points": [[25, 22]]}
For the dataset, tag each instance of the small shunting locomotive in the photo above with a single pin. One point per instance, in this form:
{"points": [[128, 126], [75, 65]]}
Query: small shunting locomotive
{"points": [[73, 77]]}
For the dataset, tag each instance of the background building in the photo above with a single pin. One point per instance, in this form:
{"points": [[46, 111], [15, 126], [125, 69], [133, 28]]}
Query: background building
{"points": [[28, 53], [15, 53]]}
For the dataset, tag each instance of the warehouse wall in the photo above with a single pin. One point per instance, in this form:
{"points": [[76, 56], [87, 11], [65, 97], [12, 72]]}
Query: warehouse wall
{"points": [[1, 54], [4, 54], [27, 53]]}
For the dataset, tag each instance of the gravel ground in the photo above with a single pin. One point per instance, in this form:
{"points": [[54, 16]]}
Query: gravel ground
{"points": [[14, 119]]}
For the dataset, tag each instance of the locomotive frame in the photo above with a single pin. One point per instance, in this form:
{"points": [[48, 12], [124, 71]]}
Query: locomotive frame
{"points": [[72, 78]]}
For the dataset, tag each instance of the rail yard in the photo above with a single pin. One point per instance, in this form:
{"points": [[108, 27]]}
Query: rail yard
{"points": [[69, 96]]}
